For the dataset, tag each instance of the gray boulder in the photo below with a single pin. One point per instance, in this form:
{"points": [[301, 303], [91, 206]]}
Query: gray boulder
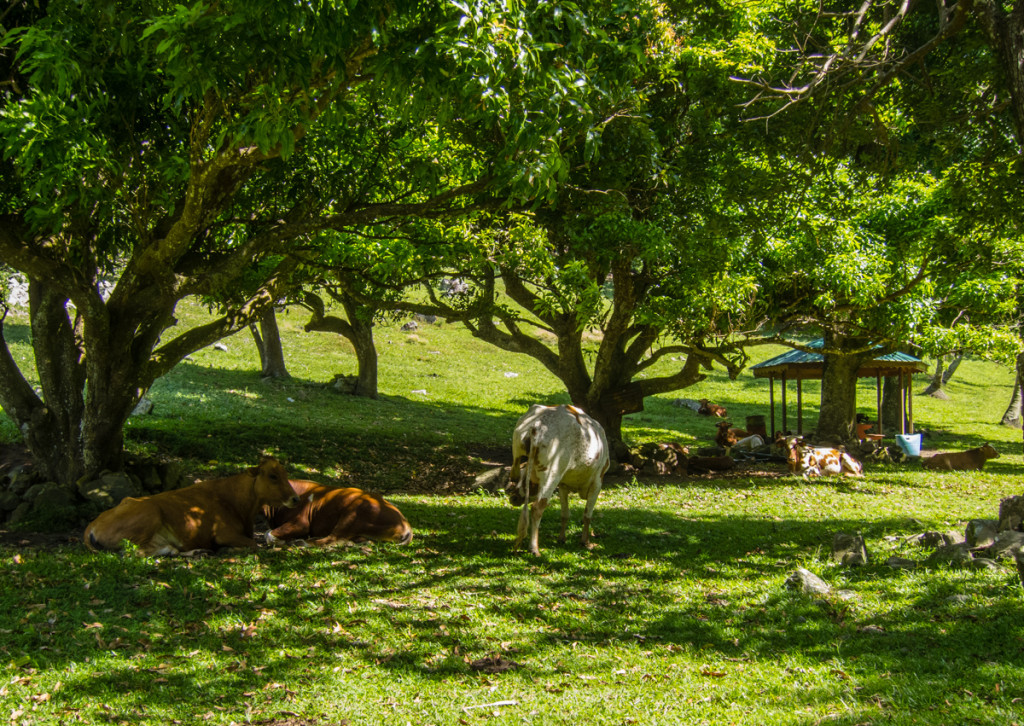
{"points": [[109, 489], [807, 582], [849, 549]]}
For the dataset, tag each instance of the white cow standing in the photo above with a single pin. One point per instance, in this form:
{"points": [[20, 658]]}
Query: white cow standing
{"points": [[565, 448]]}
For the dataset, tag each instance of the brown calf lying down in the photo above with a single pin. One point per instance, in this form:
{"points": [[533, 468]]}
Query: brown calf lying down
{"points": [[711, 409], [328, 515], [972, 459], [727, 435], [208, 515]]}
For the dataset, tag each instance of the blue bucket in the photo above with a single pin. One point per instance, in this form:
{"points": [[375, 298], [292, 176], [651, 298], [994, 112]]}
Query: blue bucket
{"points": [[910, 443]]}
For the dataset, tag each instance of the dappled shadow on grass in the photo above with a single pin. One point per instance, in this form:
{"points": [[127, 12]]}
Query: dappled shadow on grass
{"points": [[236, 632], [390, 443]]}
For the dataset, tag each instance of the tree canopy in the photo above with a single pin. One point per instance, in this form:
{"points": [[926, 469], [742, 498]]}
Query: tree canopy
{"points": [[596, 158]]}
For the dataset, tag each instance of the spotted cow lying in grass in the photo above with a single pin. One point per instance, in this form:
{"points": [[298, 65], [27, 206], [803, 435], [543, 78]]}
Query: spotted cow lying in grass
{"points": [[811, 461]]}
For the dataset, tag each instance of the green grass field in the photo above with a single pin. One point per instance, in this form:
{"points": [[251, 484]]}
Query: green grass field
{"points": [[679, 615]]}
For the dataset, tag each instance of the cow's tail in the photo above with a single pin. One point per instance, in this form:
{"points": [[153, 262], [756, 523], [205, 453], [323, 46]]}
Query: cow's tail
{"points": [[530, 468]]}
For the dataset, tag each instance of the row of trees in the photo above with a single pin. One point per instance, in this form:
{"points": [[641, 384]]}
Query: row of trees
{"points": [[688, 180]]}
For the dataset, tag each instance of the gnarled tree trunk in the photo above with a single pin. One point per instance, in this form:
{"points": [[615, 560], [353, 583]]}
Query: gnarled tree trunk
{"points": [[268, 342], [357, 329]]}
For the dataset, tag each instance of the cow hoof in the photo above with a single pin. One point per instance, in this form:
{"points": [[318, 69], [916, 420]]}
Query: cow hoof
{"points": [[198, 552]]}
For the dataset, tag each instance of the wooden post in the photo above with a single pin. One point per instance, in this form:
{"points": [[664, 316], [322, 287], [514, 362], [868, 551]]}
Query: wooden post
{"points": [[903, 394], [910, 401], [799, 405], [771, 401], [784, 428], [878, 399]]}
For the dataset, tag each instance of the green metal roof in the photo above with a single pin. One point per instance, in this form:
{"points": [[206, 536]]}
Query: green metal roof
{"points": [[808, 365]]}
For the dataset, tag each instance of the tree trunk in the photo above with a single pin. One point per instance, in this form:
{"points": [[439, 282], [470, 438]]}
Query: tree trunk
{"points": [[268, 343], [357, 329], [935, 388], [837, 419], [1012, 417], [75, 427], [953, 365], [891, 397]]}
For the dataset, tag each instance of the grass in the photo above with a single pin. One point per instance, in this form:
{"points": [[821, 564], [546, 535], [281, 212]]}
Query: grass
{"points": [[679, 615]]}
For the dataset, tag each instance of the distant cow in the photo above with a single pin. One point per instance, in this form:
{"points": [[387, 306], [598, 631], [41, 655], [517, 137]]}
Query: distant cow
{"points": [[565, 449], [821, 461], [972, 459], [327, 515], [727, 435], [208, 515], [711, 409]]}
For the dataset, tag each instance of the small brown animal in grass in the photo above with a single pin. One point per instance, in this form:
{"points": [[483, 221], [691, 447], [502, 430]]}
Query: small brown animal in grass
{"points": [[970, 460], [727, 436]]}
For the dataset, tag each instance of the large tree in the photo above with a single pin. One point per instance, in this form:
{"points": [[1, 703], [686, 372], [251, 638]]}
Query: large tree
{"points": [[919, 100], [172, 147]]}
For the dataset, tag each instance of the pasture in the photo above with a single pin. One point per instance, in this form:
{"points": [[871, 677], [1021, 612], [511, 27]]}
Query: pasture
{"points": [[679, 615]]}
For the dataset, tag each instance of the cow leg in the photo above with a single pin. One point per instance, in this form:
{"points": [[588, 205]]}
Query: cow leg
{"points": [[536, 512], [295, 529], [565, 513], [588, 513], [524, 523]]}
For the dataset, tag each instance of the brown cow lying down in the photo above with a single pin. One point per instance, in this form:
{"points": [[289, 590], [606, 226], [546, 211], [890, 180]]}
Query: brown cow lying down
{"points": [[330, 514], [962, 460], [208, 515]]}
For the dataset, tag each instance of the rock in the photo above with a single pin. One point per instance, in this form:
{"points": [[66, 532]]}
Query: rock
{"points": [[954, 555], [849, 549], [109, 489], [411, 325], [171, 475], [50, 496], [1018, 558], [143, 407], [981, 532], [807, 582], [1006, 542], [901, 563], [931, 540], [9, 501], [20, 479], [148, 477], [958, 599], [345, 384], [428, 319], [1011, 513], [220, 347], [492, 480], [19, 513]]}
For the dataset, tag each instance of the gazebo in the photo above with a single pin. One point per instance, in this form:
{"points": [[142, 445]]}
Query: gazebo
{"points": [[801, 366]]}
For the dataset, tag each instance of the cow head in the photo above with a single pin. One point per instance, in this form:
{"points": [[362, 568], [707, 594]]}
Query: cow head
{"points": [[517, 489], [988, 451], [271, 484]]}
